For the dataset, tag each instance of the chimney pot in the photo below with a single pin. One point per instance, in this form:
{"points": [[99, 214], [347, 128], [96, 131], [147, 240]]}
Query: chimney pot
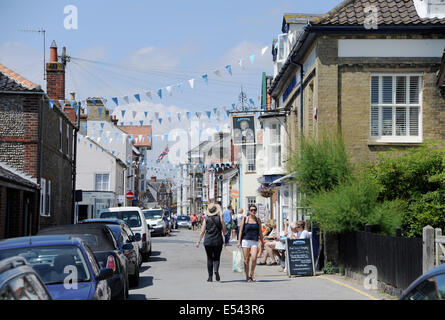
{"points": [[53, 52]]}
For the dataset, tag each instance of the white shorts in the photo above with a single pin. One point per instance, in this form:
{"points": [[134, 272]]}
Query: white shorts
{"points": [[249, 243]]}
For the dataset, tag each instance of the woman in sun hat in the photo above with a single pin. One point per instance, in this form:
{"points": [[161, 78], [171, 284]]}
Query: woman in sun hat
{"points": [[214, 229]]}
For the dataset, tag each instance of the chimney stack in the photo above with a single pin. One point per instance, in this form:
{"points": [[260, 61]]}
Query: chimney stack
{"points": [[55, 75], [71, 111]]}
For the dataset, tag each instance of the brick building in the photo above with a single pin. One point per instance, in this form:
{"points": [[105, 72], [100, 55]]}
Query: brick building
{"points": [[369, 70], [36, 139]]}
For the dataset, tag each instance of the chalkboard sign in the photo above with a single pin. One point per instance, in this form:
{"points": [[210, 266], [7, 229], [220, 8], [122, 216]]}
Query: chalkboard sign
{"points": [[299, 257]]}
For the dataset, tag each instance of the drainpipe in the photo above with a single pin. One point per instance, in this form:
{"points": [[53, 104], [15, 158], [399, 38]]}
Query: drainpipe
{"points": [[76, 129], [39, 176]]}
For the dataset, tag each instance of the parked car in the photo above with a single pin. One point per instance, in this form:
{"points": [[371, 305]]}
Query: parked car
{"points": [[429, 286], [19, 281], [127, 243], [101, 241], [153, 217], [184, 222], [130, 233], [52, 256], [135, 219]]}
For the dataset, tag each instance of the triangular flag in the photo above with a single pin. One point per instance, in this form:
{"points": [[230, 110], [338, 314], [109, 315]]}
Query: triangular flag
{"points": [[198, 115], [214, 110], [206, 78], [192, 83], [123, 113], [218, 73], [138, 97], [251, 102], [263, 51], [146, 113], [156, 115], [102, 125], [169, 90], [179, 116], [180, 86], [141, 122], [148, 93], [252, 58], [115, 101], [188, 115], [93, 101], [160, 120], [51, 103], [126, 99], [134, 114], [209, 114], [160, 93], [229, 69]]}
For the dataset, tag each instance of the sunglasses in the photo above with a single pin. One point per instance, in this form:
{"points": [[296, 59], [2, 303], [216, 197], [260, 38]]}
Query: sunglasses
{"points": [[253, 210]]}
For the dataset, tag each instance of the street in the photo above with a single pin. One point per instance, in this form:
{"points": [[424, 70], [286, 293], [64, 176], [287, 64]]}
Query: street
{"points": [[177, 271]]}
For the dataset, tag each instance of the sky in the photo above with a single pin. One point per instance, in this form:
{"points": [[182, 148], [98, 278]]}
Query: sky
{"points": [[122, 48]]}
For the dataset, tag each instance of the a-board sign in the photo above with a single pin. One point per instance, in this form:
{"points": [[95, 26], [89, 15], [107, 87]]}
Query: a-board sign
{"points": [[300, 257]]}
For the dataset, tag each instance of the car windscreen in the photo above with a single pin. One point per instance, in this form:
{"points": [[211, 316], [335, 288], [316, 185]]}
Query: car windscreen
{"points": [[131, 218], [153, 214], [54, 264], [183, 218], [99, 239]]}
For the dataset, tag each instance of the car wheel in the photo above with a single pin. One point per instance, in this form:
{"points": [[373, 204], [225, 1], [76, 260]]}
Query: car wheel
{"points": [[145, 256], [124, 292]]}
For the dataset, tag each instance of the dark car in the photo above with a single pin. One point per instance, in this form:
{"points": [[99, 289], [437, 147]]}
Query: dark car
{"points": [[64, 263], [19, 281], [429, 286], [127, 243], [105, 248]]}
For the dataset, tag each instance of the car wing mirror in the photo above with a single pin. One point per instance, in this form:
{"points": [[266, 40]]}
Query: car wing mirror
{"points": [[137, 237], [127, 247]]}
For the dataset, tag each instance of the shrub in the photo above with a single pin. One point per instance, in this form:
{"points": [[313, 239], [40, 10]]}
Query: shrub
{"points": [[320, 164]]}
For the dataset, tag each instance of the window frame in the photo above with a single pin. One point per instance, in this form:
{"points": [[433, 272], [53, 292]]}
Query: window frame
{"points": [[277, 143], [102, 174], [394, 138]]}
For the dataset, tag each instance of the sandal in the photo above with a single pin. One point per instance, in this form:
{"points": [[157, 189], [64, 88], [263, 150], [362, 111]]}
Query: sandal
{"points": [[248, 279], [252, 279], [260, 263]]}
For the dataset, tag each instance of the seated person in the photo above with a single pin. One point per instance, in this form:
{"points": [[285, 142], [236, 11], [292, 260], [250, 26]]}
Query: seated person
{"points": [[269, 246]]}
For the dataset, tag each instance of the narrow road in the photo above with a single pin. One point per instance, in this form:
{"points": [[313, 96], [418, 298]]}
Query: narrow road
{"points": [[177, 271]]}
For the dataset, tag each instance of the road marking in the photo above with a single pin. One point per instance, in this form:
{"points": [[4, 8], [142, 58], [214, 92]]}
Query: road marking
{"points": [[350, 287]]}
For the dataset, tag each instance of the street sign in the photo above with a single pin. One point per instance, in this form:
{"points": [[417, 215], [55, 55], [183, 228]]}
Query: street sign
{"points": [[129, 195]]}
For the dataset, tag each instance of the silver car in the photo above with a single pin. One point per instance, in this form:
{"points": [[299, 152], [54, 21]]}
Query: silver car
{"points": [[184, 222]]}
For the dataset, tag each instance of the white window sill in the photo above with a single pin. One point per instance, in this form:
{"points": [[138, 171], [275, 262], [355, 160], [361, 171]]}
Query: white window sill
{"points": [[395, 141]]}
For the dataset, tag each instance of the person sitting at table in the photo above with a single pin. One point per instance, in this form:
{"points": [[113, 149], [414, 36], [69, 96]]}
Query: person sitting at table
{"points": [[269, 247]]}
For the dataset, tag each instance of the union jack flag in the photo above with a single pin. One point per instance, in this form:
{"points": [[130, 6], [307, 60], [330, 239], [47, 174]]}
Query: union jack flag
{"points": [[162, 155]]}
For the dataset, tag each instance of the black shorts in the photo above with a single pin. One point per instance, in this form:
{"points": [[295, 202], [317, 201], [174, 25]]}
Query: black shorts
{"points": [[194, 223]]}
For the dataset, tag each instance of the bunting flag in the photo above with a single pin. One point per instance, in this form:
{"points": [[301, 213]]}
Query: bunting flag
{"points": [[162, 155], [252, 58], [93, 101], [229, 69], [206, 78], [263, 51], [169, 90], [123, 113], [134, 114], [180, 86], [146, 113], [160, 120], [179, 116], [157, 115], [192, 83], [115, 101], [251, 102], [160, 93], [51, 103], [189, 115], [141, 122], [218, 73], [138, 97], [209, 114], [102, 125], [148, 93], [126, 99]]}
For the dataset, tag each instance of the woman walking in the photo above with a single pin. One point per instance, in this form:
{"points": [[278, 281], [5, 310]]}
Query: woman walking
{"points": [[214, 229], [250, 235]]}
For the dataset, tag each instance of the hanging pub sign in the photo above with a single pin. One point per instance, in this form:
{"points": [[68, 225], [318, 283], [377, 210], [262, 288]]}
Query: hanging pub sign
{"points": [[243, 129]]}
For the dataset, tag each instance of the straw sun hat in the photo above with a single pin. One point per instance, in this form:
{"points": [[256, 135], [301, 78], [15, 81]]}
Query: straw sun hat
{"points": [[213, 210]]}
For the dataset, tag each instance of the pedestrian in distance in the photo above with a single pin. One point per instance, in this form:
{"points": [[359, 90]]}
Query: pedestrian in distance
{"points": [[214, 229], [228, 224], [233, 226], [193, 219], [167, 222], [250, 239]]}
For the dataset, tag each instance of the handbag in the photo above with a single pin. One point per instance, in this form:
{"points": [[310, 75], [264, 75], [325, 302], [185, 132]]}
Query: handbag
{"points": [[238, 261]]}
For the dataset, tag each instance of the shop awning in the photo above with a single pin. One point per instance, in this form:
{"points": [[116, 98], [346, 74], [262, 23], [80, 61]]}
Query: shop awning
{"points": [[284, 179]]}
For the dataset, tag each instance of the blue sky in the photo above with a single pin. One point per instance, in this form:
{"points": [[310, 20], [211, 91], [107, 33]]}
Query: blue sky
{"points": [[148, 45]]}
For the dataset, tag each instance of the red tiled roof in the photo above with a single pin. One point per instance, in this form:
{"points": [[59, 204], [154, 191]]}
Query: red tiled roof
{"points": [[136, 131], [12, 81], [390, 12]]}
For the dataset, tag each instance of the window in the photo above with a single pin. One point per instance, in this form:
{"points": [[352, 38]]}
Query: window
{"points": [[275, 145], [48, 198], [430, 289], [250, 157], [43, 197], [102, 181], [67, 140], [396, 108], [250, 201]]}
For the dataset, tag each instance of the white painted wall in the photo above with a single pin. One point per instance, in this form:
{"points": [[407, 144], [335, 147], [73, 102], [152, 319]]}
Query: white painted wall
{"points": [[391, 48]]}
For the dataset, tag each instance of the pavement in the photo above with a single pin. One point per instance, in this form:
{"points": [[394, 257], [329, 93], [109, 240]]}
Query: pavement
{"points": [[177, 270]]}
